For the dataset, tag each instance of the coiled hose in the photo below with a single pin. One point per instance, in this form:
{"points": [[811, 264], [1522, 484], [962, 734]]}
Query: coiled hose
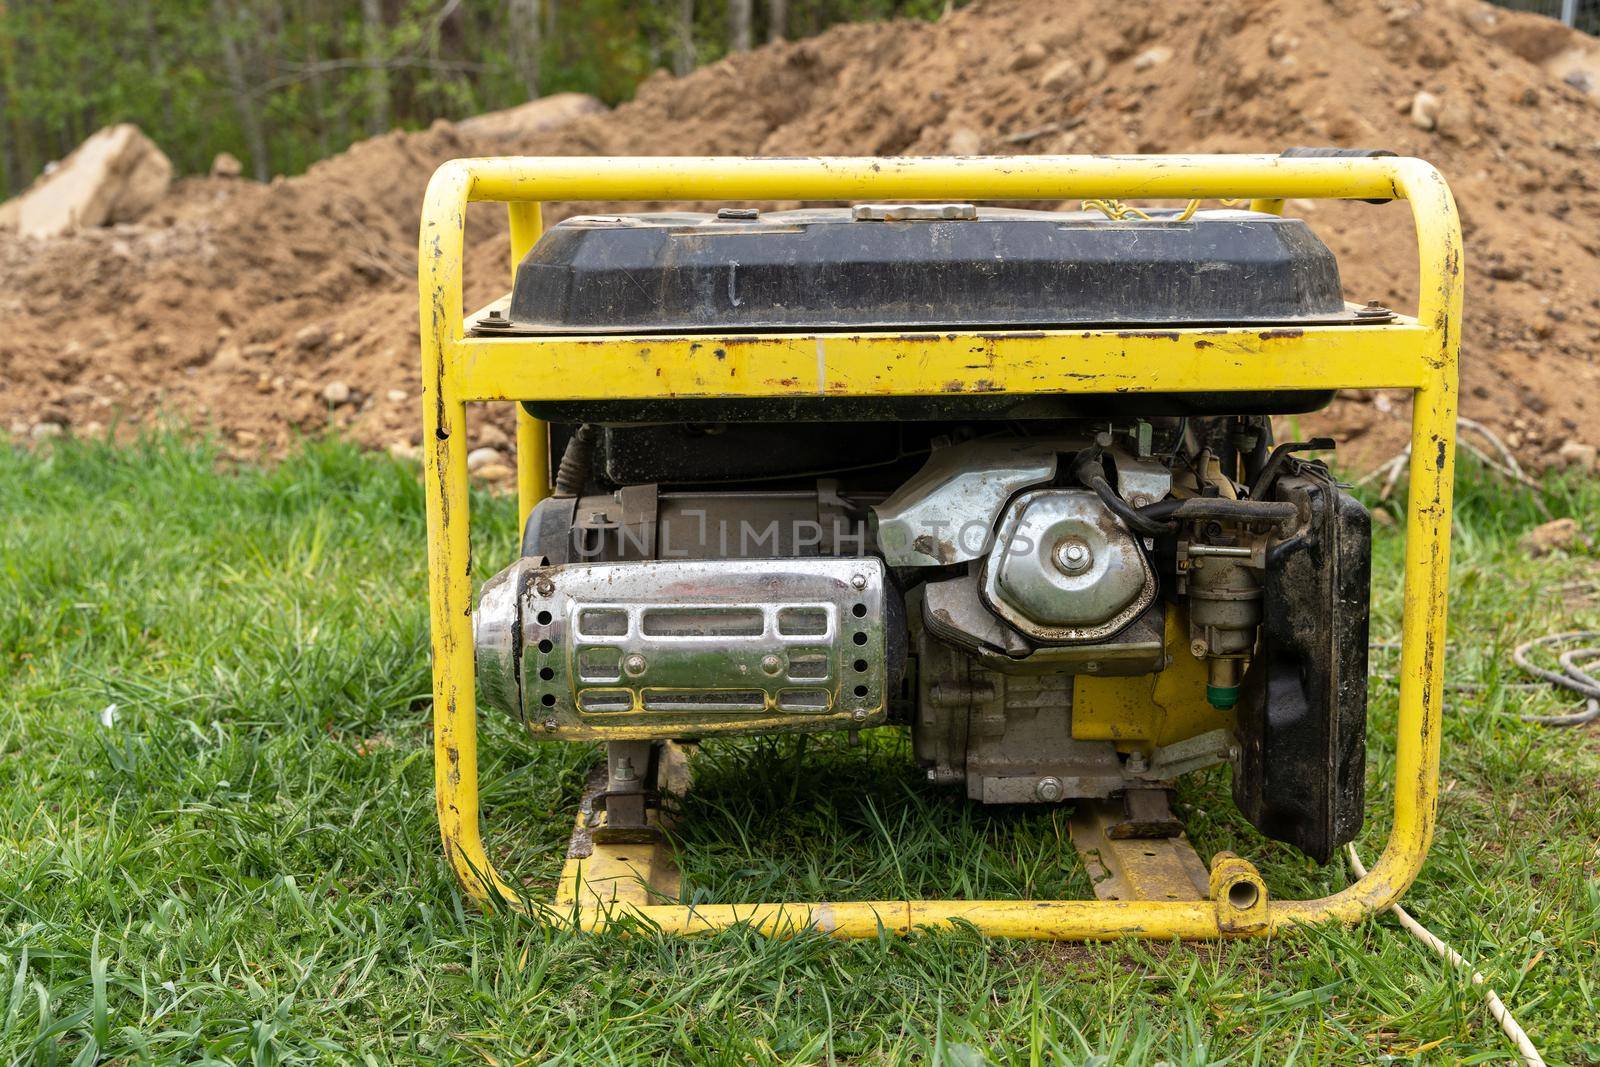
{"points": [[1576, 662]]}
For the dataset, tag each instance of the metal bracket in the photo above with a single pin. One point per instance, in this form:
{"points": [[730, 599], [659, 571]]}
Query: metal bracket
{"points": [[1126, 867]]}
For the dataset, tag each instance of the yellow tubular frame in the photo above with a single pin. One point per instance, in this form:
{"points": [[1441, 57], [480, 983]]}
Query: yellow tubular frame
{"points": [[1418, 354]]}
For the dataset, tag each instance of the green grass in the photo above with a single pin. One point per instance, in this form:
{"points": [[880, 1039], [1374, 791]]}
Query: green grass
{"points": [[217, 838]]}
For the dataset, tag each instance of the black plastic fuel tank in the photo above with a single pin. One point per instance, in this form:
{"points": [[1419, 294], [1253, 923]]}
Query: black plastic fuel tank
{"points": [[925, 268]]}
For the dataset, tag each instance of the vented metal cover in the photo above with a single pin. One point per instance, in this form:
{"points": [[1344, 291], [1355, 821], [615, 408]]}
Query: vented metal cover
{"points": [[681, 648]]}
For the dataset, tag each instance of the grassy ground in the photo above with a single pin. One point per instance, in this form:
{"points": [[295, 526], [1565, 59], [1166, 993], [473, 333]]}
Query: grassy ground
{"points": [[217, 839]]}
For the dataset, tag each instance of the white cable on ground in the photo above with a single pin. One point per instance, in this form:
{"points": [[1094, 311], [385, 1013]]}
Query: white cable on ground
{"points": [[1497, 1008]]}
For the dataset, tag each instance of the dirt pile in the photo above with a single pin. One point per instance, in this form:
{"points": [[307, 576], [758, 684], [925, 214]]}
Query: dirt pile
{"points": [[271, 310]]}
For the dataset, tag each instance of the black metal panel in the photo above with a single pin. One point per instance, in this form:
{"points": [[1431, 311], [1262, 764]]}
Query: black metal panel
{"points": [[1300, 775], [821, 268]]}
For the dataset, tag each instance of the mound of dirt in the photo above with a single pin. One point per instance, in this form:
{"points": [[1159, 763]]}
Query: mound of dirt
{"points": [[276, 310]]}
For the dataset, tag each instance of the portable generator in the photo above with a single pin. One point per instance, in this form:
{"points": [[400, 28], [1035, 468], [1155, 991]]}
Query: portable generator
{"points": [[1006, 479]]}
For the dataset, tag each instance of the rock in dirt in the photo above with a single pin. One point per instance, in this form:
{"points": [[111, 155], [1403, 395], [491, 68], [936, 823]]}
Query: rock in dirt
{"points": [[1578, 455], [336, 393], [479, 458], [1028, 56], [117, 175], [1552, 536], [964, 142], [494, 472], [1061, 77], [226, 165], [1152, 57], [1424, 110], [520, 123], [310, 338]]}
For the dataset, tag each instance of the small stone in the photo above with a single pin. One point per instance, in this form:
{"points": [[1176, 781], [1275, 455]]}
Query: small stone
{"points": [[1381, 517], [495, 472], [43, 430], [1029, 55], [964, 142], [227, 356], [1095, 69], [1505, 272], [1551, 536], [259, 351], [226, 165], [1453, 120], [404, 450], [492, 436], [1424, 110], [1577, 454], [336, 393], [1061, 77], [1152, 57], [310, 338], [396, 396], [1280, 44], [245, 438], [480, 458]]}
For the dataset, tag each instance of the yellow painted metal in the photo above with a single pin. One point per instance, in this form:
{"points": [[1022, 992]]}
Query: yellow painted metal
{"points": [[935, 364], [617, 875], [533, 436], [1419, 354], [1148, 710], [1135, 868]]}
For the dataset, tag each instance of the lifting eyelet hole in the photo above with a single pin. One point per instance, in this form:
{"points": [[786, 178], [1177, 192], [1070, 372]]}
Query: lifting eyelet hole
{"points": [[859, 611], [861, 665], [548, 700], [861, 690], [1243, 894], [860, 639], [543, 618], [545, 674], [545, 646]]}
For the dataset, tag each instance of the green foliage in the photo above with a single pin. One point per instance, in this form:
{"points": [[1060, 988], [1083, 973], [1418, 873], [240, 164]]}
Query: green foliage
{"points": [[217, 838], [282, 83]]}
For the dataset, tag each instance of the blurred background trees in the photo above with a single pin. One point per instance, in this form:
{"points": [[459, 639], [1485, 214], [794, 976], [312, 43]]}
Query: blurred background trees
{"points": [[282, 83]]}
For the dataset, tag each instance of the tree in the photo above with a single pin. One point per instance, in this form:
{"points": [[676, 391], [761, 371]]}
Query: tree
{"points": [[777, 19], [739, 34], [524, 29], [372, 33], [230, 28], [684, 54]]}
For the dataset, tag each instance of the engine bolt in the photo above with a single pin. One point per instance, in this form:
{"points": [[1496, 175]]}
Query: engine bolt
{"points": [[1048, 788], [771, 664], [634, 663], [550, 724], [1072, 555], [860, 715], [543, 585], [859, 581]]}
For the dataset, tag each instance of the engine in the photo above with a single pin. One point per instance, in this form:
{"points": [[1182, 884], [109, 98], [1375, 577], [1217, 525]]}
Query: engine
{"points": [[1061, 597]]}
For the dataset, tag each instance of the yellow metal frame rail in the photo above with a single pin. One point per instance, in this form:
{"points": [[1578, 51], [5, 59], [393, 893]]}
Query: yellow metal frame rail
{"points": [[1418, 354]]}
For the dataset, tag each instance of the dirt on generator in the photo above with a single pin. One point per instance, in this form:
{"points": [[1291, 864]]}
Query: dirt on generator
{"points": [[270, 312]]}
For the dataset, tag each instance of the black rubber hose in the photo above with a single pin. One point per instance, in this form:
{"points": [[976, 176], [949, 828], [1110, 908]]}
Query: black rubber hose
{"points": [[1087, 469], [577, 460], [1220, 507]]}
